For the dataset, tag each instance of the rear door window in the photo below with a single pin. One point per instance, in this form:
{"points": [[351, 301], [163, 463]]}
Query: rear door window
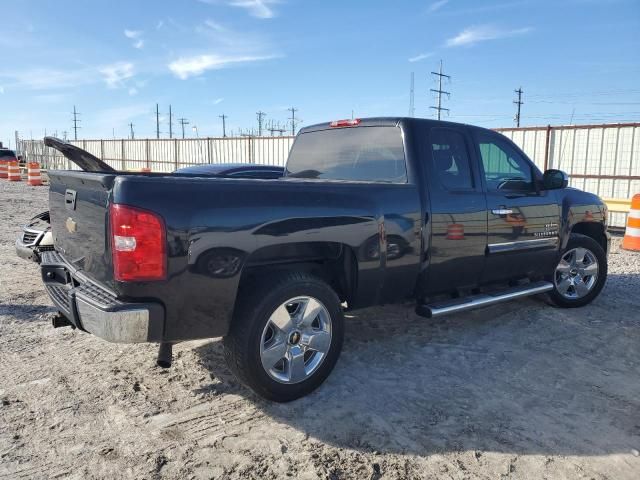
{"points": [[451, 159], [5, 153], [363, 154]]}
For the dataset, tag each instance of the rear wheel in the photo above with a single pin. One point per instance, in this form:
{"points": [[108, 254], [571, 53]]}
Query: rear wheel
{"points": [[286, 335], [580, 273]]}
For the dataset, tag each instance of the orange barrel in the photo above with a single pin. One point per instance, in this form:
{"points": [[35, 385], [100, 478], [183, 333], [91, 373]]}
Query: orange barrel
{"points": [[13, 171], [631, 240], [4, 168], [455, 231], [146, 170], [33, 174]]}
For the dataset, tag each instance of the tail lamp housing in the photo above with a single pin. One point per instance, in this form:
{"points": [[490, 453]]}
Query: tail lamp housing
{"points": [[138, 244]]}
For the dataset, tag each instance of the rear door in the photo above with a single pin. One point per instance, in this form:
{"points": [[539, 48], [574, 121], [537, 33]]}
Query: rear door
{"points": [[523, 221], [456, 253]]}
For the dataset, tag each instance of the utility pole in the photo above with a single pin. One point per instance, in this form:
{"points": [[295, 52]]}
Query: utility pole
{"points": [[260, 114], [518, 102], [170, 123], [183, 121], [293, 120], [75, 123], [412, 108], [157, 122], [439, 108], [132, 134], [224, 125], [64, 135]]}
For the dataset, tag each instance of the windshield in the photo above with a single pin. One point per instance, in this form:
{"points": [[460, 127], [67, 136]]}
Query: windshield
{"points": [[365, 154]]}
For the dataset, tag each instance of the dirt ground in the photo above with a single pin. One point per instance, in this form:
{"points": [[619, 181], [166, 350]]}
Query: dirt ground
{"points": [[520, 390]]}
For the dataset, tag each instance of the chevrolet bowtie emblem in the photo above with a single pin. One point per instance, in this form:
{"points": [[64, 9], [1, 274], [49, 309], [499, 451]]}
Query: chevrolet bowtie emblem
{"points": [[71, 225]]}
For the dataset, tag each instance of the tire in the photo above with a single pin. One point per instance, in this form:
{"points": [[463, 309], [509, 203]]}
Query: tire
{"points": [[570, 273], [260, 333]]}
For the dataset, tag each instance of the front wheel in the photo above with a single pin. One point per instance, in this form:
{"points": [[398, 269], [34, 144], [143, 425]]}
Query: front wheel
{"points": [[286, 335], [580, 273]]}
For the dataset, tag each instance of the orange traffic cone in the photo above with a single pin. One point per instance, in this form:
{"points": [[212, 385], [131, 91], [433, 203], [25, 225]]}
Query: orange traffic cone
{"points": [[13, 173], [631, 240], [33, 174], [3, 169]]}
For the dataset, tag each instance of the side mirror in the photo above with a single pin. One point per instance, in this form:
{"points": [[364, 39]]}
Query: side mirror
{"points": [[555, 180]]}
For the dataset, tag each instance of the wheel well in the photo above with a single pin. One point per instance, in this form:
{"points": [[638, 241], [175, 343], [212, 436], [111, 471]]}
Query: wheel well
{"points": [[335, 263], [593, 230]]}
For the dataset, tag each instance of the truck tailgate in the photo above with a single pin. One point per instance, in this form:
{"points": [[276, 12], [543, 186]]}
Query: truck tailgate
{"points": [[79, 210]]}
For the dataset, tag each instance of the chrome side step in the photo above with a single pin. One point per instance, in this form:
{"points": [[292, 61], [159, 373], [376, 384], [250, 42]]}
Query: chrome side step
{"points": [[482, 300]]}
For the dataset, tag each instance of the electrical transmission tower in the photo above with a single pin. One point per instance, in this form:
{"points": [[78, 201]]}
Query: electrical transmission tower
{"points": [[157, 122], [260, 115], [224, 125], [293, 111], [75, 123], [519, 103], [183, 121], [170, 123], [131, 129], [412, 107], [439, 108]]}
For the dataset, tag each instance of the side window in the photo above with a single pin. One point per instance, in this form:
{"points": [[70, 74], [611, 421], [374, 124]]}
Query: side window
{"points": [[504, 167], [451, 159]]}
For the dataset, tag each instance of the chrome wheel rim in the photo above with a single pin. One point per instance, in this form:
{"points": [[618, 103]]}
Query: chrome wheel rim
{"points": [[296, 339], [576, 273]]}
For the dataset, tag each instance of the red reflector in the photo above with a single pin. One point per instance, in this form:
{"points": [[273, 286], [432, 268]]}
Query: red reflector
{"points": [[138, 244], [345, 123]]}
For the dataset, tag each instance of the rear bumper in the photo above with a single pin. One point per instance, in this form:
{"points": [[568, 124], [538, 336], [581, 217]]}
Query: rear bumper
{"points": [[94, 309], [25, 252]]}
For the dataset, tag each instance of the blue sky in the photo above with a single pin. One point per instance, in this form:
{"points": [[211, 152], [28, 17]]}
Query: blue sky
{"points": [[576, 60]]}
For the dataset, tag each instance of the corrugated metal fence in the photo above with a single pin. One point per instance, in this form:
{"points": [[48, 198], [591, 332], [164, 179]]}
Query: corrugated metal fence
{"points": [[602, 159], [166, 155]]}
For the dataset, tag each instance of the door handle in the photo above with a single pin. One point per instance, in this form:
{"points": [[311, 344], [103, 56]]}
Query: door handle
{"points": [[502, 211]]}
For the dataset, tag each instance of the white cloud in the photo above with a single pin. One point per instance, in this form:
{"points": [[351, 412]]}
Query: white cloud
{"points": [[135, 35], [49, 78], [214, 25], [255, 8], [437, 5], [133, 91], [420, 56], [186, 67], [481, 33], [116, 74], [1, 90], [160, 24], [218, 101]]}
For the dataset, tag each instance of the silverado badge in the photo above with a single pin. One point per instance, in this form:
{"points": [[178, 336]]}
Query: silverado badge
{"points": [[71, 225]]}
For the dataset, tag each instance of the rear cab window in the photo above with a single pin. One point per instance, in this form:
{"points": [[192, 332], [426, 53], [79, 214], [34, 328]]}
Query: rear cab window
{"points": [[451, 161], [361, 154]]}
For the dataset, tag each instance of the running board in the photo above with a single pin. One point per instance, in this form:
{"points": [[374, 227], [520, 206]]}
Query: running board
{"points": [[482, 300]]}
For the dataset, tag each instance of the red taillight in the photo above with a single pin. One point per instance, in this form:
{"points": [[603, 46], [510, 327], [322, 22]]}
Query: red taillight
{"points": [[345, 123], [138, 240]]}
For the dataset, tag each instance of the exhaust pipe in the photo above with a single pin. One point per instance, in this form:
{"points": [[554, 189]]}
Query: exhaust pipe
{"points": [[165, 353]]}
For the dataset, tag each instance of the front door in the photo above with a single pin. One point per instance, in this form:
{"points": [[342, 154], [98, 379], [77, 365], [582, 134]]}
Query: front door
{"points": [[523, 221]]}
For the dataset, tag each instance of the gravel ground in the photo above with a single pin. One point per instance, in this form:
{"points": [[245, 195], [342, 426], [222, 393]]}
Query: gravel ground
{"points": [[520, 390]]}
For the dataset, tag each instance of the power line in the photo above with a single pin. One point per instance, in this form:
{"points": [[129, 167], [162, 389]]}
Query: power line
{"points": [[224, 125], [519, 103], [75, 123], [293, 111], [132, 134], [439, 108], [260, 115], [183, 121]]}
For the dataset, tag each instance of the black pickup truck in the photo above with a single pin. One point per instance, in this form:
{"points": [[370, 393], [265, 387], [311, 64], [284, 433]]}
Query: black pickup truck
{"points": [[369, 212]]}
